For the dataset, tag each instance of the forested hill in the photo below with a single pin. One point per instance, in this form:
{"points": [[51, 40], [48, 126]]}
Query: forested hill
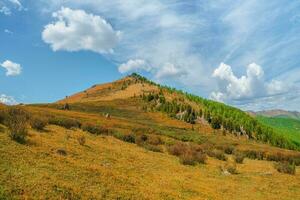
{"points": [[191, 108], [152, 97]]}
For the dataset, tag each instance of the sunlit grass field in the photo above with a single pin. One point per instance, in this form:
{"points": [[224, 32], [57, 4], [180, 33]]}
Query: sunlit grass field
{"points": [[107, 168]]}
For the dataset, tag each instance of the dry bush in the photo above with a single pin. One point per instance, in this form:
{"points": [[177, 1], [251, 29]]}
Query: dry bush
{"points": [[62, 152], [254, 154], [229, 149], [67, 123], [2, 115], [187, 159], [153, 148], [154, 140], [285, 167], [188, 154], [128, 138], [16, 120], [239, 157], [81, 140], [200, 157], [217, 154], [178, 149], [284, 157], [229, 168], [95, 129], [38, 123], [141, 139]]}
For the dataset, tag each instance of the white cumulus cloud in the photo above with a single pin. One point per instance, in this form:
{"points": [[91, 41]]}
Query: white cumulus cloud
{"points": [[249, 86], [5, 10], [8, 100], [12, 69], [76, 30], [134, 65]]}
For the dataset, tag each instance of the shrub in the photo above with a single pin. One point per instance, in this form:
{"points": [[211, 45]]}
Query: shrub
{"points": [[239, 157], [81, 140], [95, 129], [285, 167], [254, 154], [280, 157], [177, 149], [154, 140], [67, 123], [38, 123], [187, 158], [188, 154], [229, 149], [229, 167], [62, 152], [141, 139], [153, 148], [16, 120], [128, 138], [2, 115], [200, 157], [217, 154]]}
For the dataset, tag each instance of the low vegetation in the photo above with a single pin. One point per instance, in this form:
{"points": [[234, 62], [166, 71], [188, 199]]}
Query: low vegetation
{"points": [[80, 144], [285, 167], [38, 123], [218, 115], [67, 123], [239, 157], [187, 153], [81, 140], [217, 154], [95, 129], [16, 119], [229, 168]]}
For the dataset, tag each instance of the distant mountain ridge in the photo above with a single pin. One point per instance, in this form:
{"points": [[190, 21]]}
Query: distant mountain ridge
{"points": [[278, 113]]}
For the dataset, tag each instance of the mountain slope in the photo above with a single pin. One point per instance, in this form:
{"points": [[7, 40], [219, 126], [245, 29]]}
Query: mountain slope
{"points": [[286, 126], [279, 113], [148, 96], [150, 142]]}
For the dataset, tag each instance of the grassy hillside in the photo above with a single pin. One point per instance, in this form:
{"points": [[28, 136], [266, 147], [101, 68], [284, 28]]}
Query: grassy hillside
{"points": [[152, 97], [107, 168], [134, 139], [287, 126]]}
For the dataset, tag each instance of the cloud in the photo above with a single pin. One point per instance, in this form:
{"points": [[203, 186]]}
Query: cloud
{"points": [[8, 100], [5, 10], [250, 86], [8, 31], [16, 2], [193, 37], [168, 70], [12, 69], [134, 65], [76, 30]]}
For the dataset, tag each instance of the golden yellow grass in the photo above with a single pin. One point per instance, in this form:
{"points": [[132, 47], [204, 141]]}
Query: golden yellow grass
{"points": [[106, 168], [126, 125], [111, 91]]}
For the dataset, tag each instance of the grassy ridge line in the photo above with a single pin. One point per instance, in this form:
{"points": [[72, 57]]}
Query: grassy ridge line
{"points": [[232, 119]]}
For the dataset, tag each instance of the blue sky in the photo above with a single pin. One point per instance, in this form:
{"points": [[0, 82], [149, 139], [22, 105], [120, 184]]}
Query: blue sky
{"points": [[244, 53]]}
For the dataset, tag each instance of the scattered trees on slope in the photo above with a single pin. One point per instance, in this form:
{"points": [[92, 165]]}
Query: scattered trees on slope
{"points": [[218, 115]]}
